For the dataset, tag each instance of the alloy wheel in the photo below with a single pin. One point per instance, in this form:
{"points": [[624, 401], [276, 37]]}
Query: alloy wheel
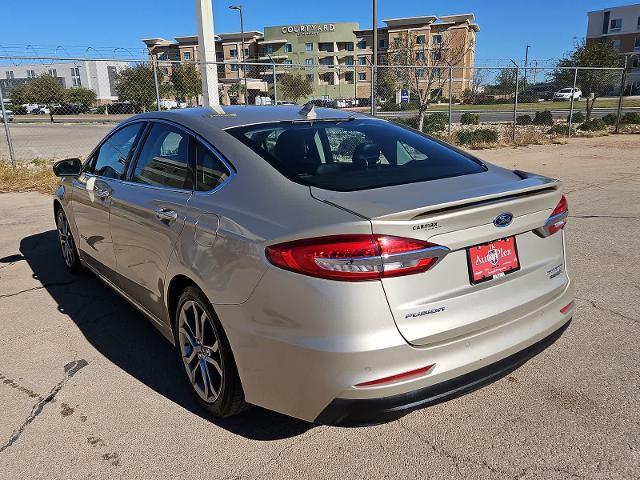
{"points": [[66, 239], [200, 351]]}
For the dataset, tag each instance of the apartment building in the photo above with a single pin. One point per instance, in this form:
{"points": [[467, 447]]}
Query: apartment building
{"points": [[621, 25], [99, 76], [335, 57]]}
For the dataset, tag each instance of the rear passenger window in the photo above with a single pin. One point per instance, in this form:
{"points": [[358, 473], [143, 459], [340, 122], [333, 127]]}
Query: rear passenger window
{"points": [[210, 171], [164, 159], [111, 159]]}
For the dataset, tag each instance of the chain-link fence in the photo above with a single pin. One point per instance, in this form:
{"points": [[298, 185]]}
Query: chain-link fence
{"points": [[61, 107]]}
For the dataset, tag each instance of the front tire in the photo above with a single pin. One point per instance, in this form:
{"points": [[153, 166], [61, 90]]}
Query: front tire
{"points": [[206, 356], [67, 243]]}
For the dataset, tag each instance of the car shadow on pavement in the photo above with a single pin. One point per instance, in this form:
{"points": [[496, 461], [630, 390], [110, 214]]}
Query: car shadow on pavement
{"points": [[125, 337]]}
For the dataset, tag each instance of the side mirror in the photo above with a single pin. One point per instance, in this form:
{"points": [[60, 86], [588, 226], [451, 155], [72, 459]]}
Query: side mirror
{"points": [[71, 167]]}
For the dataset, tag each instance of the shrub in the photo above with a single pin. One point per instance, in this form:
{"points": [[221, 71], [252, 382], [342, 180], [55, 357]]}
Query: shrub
{"points": [[560, 129], [631, 117], [435, 122], [523, 119], [543, 118], [527, 98], [593, 125], [16, 109], [476, 137], [609, 119], [577, 117], [470, 119]]}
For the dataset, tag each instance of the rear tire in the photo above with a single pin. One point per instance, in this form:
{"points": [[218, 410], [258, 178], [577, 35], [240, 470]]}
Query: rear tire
{"points": [[206, 356], [67, 243]]}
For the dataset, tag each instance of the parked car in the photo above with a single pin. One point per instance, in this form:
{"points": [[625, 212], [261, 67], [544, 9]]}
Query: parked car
{"points": [[42, 110], [567, 93], [263, 100], [9, 115], [70, 109], [331, 266]]}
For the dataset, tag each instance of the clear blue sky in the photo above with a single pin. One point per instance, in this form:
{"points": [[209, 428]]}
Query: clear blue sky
{"points": [[550, 27]]}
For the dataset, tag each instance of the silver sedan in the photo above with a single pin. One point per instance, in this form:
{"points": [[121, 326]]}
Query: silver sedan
{"points": [[327, 265]]}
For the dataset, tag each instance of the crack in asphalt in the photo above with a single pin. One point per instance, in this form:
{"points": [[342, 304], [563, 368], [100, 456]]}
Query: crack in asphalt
{"points": [[608, 310], [70, 369], [40, 287], [15, 385]]}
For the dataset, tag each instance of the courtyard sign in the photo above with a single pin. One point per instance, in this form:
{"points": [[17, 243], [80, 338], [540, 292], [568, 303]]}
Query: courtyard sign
{"points": [[309, 29]]}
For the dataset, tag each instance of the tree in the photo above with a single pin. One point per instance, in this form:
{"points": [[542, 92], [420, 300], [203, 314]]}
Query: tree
{"points": [[595, 53], [20, 94], [136, 85], [294, 86], [46, 90], [84, 96], [505, 82], [428, 70], [186, 82]]}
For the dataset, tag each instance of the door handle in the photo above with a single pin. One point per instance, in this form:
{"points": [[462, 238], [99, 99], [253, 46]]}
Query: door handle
{"points": [[166, 215], [102, 193]]}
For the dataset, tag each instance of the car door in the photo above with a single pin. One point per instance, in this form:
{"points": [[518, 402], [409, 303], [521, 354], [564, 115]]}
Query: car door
{"points": [[148, 212], [92, 194]]}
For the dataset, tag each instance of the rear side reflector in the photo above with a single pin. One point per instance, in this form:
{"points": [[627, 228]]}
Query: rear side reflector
{"points": [[557, 220], [400, 376], [356, 257], [567, 307]]}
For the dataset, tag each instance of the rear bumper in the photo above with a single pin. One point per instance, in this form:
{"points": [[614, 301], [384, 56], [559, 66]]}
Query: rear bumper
{"points": [[360, 412]]}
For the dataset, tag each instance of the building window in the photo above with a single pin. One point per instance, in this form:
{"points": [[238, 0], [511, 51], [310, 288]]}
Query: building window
{"points": [[308, 61], [53, 72], [616, 25], [234, 67], [288, 62], [636, 46], [9, 74], [348, 60], [362, 60], [233, 53], [219, 57], [308, 47], [382, 59], [348, 77], [436, 56], [187, 56], [382, 43], [325, 46], [616, 44], [436, 39], [638, 23], [246, 53], [348, 46], [362, 44], [419, 72], [310, 77], [268, 49], [326, 61], [420, 40], [162, 56], [362, 75], [419, 56], [31, 74], [288, 48], [437, 72]]}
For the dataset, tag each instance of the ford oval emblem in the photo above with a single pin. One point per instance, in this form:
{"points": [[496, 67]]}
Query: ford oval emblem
{"points": [[503, 219]]}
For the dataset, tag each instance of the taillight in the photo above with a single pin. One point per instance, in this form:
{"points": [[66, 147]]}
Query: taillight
{"points": [[557, 220], [356, 257]]}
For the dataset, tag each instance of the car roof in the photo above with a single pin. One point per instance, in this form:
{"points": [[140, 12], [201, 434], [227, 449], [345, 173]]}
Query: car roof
{"points": [[240, 115]]}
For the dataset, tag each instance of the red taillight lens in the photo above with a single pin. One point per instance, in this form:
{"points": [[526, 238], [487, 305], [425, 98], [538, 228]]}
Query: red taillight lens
{"points": [[557, 220], [400, 376], [355, 257]]}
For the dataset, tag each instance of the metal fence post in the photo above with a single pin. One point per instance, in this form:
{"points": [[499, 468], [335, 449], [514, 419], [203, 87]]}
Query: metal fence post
{"points": [[155, 80], [275, 86], [7, 132], [575, 80], [515, 105], [450, 94], [374, 80], [622, 85]]}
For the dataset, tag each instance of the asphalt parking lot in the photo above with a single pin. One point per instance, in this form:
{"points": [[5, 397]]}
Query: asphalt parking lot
{"points": [[88, 389]]}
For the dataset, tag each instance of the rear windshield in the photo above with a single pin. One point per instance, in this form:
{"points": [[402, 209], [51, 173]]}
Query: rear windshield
{"points": [[354, 154]]}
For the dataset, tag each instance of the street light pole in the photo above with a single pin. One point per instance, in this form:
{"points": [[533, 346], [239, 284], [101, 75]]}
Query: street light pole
{"points": [[374, 64], [244, 70], [526, 60]]}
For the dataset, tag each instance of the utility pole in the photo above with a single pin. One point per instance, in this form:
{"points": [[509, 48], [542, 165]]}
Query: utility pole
{"points": [[374, 64], [244, 70], [526, 61], [207, 53]]}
